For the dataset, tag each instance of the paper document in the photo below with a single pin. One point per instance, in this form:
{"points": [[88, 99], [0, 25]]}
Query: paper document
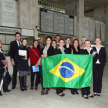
{"points": [[22, 52]]}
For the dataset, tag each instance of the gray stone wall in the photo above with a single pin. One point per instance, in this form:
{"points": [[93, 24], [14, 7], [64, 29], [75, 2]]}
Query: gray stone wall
{"points": [[0, 12]]}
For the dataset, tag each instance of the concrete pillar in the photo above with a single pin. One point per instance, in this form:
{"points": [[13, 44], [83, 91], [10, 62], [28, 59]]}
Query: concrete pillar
{"points": [[28, 13], [80, 19], [106, 23], [34, 16]]}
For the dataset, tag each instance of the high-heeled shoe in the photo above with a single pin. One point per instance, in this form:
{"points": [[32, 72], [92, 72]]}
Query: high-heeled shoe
{"points": [[62, 95], [42, 92], [36, 87], [86, 97], [31, 88], [95, 94], [98, 94], [91, 96]]}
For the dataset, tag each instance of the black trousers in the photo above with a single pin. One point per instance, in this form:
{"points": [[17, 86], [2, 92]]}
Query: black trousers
{"points": [[86, 91], [40, 68], [73, 90], [97, 77], [33, 76], [14, 78], [59, 90]]}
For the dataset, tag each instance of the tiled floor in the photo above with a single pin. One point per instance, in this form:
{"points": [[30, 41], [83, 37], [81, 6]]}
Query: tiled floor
{"points": [[33, 98]]}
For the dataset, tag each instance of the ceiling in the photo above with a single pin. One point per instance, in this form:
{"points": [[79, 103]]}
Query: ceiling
{"points": [[89, 4]]}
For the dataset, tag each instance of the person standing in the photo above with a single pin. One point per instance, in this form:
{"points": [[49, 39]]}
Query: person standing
{"points": [[98, 67], [74, 37], [83, 42], [48, 50], [67, 46], [60, 50], [87, 50], [34, 53], [2, 69], [22, 64], [75, 50], [14, 45], [41, 43], [57, 38], [54, 44]]}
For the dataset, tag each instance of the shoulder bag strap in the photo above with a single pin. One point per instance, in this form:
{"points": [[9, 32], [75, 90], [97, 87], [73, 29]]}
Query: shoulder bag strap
{"points": [[35, 52]]}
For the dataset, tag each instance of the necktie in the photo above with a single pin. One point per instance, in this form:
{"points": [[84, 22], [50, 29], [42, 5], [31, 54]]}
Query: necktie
{"points": [[19, 43]]}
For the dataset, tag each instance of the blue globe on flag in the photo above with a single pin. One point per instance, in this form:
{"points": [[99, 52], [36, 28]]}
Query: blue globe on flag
{"points": [[66, 70]]}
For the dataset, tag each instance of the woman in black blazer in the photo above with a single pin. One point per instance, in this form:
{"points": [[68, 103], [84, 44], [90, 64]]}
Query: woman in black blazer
{"points": [[75, 50], [60, 50], [98, 67], [87, 50], [2, 69], [22, 65], [48, 50]]}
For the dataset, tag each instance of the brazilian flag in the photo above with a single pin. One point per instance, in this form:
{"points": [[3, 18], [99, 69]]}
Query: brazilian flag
{"points": [[67, 70]]}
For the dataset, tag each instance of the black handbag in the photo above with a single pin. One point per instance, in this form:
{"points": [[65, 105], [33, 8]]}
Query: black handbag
{"points": [[7, 79]]}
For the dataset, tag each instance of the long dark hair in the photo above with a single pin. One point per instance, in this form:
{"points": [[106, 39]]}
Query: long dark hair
{"points": [[38, 47], [49, 38], [73, 43]]}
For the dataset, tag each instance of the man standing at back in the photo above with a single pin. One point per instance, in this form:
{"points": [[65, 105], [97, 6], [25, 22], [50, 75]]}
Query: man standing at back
{"points": [[14, 45], [41, 45], [57, 38]]}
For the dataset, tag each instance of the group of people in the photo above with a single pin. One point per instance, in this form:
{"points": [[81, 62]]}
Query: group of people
{"points": [[53, 47]]}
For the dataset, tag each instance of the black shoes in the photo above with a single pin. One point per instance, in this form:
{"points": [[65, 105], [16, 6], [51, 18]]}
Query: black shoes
{"points": [[75, 93], [0, 93], [91, 96], [86, 97], [96, 94], [62, 95], [13, 87], [7, 91]]}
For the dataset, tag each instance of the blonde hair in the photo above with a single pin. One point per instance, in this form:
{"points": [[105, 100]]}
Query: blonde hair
{"points": [[84, 37], [74, 37], [97, 38]]}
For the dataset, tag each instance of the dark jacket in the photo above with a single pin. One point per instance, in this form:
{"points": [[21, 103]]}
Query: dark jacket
{"points": [[101, 55], [75, 52], [42, 46], [50, 51], [84, 51], [14, 51], [68, 49], [58, 51], [2, 57], [22, 64]]}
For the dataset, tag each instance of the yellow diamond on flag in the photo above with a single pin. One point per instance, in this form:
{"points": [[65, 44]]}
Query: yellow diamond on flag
{"points": [[67, 70]]}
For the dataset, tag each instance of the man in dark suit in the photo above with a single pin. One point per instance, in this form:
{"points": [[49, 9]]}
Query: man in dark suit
{"points": [[14, 56], [41, 45]]}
